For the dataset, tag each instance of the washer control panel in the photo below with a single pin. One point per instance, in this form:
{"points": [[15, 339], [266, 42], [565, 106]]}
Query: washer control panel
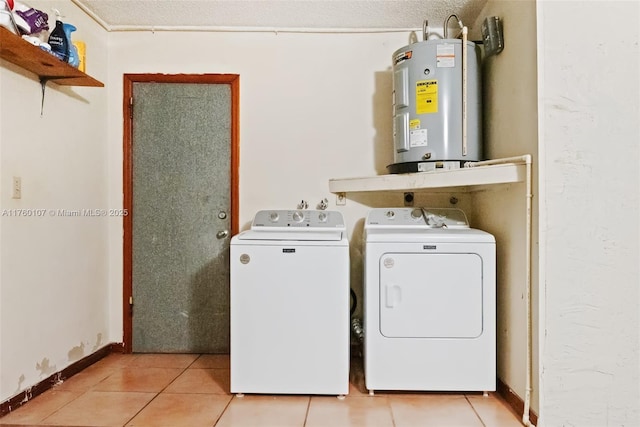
{"points": [[298, 219], [418, 217]]}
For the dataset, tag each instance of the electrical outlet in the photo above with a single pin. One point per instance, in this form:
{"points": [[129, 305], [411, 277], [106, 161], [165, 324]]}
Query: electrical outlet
{"points": [[16, 188]]}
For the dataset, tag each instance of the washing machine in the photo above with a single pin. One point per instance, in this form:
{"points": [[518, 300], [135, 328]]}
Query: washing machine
{"points": [[429, 312], [290, 299]]}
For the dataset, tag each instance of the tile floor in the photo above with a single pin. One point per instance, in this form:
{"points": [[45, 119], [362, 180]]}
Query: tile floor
{"points": [[176, 390]]}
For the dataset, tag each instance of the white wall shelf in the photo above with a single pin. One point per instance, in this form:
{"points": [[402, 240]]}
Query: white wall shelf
{"points": [[497, 171]]}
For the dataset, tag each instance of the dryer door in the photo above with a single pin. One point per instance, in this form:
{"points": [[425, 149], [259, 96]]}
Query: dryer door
{"points": [[431, 295]]}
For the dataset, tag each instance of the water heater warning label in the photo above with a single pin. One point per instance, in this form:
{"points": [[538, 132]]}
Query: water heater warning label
{"points": [[426, 96], [445, 56], [401, 57], [418, 138]]}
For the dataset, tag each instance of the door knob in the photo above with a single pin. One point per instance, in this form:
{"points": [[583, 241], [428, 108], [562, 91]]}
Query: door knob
{"points": [[222, 234]]}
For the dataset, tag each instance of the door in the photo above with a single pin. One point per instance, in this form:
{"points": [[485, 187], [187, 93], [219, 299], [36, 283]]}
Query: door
{"points": [[430, 295], [181, 193]]}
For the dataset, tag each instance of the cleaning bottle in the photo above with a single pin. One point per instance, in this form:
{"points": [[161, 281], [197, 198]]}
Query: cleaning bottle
{"points": [[74, 59], [58, 40]]}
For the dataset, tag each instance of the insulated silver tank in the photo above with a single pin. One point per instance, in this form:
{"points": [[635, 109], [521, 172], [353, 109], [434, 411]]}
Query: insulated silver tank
{"points": [[428, 106]]}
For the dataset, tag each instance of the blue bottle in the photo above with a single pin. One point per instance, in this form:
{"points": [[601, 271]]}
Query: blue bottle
{"points": [[74, 59]]}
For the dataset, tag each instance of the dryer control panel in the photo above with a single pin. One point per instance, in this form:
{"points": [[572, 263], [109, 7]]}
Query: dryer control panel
{"points": [[298, 219], [418, 217]]}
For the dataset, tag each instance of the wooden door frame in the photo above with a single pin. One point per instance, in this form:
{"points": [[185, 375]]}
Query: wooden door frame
{"points": [[233, 80]]}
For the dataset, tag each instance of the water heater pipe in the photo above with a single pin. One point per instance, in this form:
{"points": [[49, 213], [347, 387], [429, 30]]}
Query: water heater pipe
{"points": [[464, 32], [528, 248], [529, 235], [446, 24], [464, 90]]}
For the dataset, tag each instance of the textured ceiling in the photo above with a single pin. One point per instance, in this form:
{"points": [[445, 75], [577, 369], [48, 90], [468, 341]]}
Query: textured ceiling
{"points": [[280, 14]]}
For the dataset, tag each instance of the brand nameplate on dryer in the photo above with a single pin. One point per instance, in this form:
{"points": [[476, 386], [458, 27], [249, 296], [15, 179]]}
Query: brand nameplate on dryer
{"points": [[288, 251], [429, 247]]}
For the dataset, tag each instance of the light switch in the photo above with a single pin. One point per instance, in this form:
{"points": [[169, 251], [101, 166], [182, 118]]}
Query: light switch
{"points": [[16, 188]]}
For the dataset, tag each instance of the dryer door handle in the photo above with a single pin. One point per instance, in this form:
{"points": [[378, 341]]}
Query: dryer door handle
{"points": [[393, 296]]}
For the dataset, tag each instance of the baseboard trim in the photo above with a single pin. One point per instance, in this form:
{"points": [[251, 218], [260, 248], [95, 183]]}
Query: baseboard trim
{"points": [[514, 401], [16, 401], [117, 347]]}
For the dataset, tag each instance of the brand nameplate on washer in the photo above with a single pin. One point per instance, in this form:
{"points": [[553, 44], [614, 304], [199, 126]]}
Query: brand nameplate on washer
{"points": [[288, 251], [429, 247]]}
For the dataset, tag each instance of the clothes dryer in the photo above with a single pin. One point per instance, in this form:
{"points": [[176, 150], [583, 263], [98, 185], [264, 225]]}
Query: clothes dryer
{"points": [[429, 313], [290, 304]]}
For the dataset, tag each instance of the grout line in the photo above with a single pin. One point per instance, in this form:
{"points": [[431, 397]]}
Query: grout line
{"points": [[81, 392], [474, 410], [393, 420], [173, 380], [233, 396], [141, 409], [194, 361], [60, 408], [306, 415], [159, 392]]}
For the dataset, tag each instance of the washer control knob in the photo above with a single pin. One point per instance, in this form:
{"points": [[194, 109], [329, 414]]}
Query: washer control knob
{"points": [[273, 216], [416, 214], [322, 217], [390, 214], [298, 216]]}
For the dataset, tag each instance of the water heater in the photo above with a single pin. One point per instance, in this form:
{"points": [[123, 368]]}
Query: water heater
{"points": [[437, 105]]}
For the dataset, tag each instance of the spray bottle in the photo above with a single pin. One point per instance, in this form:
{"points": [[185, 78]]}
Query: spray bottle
{"points": [[58, 40]]}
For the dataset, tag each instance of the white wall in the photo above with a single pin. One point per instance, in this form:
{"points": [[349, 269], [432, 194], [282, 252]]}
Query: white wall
{"points": [[312, 107], [53, 270], [589, 134], [510, 129]]}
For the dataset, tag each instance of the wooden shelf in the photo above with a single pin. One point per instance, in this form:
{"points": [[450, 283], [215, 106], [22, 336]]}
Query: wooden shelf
{"points": [[23, 54], [499, 171]]}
